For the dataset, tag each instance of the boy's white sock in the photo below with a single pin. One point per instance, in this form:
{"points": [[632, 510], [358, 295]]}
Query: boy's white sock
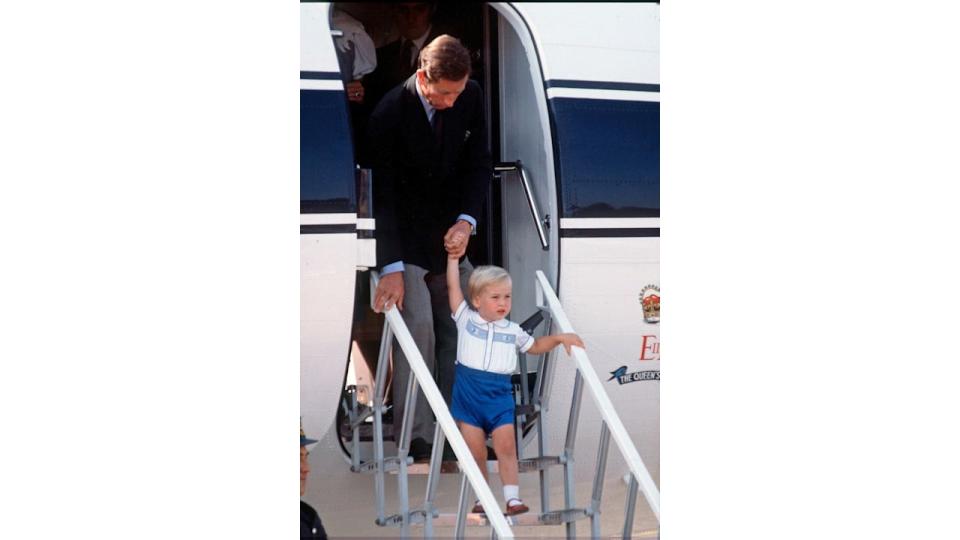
{"points": [[511, 492]]}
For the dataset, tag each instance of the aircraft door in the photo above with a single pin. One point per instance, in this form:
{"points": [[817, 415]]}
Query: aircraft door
{"points": [[525, 137]]}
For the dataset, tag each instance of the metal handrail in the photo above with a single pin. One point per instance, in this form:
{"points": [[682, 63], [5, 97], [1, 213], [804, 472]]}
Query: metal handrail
{"points": [[617, 431], [517, 167], [444, 419]]}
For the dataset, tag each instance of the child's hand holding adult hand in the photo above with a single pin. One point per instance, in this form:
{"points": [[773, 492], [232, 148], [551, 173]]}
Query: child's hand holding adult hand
{"points": [[456, 245]]}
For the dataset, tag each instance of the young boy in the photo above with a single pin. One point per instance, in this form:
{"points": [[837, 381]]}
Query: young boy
{"points": [[487, 345]]}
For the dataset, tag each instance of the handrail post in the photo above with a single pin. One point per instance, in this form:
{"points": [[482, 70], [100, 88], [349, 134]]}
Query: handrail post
{"points": [[403, 498], [462, 508], [355, 439], [602, 452], [541, 419], [402, 450], [524, 400], [435, 460], [631, 506], [406, 425], [386, 341], [539, 426], [572, 424]]}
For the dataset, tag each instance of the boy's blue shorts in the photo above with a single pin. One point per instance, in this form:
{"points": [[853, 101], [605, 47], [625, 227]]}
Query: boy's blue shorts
{"points": [[482, 399]]}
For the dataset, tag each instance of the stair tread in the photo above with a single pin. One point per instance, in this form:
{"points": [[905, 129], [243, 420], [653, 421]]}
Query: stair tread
{"points": [[453, 466], [529, 519]]}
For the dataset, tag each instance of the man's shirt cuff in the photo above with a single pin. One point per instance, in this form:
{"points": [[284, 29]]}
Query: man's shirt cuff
{"points": [[470, 220], [391, 268]]}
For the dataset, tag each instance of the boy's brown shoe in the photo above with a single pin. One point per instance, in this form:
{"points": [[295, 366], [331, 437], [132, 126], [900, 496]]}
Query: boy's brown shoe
{"points": [[514, 509]]}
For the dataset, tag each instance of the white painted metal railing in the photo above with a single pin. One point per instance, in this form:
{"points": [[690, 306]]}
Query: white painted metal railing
{"points": [[609, 414], [445, 420]]}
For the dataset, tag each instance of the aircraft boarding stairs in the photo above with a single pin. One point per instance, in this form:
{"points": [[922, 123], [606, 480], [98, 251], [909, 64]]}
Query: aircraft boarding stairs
{"points": [[528, 417]]}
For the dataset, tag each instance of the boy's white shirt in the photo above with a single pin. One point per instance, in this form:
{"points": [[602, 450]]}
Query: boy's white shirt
{"points": [[488, 346]]}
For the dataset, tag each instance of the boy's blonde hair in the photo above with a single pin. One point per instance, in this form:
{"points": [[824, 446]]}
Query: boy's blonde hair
{"points": [[484, 276]]}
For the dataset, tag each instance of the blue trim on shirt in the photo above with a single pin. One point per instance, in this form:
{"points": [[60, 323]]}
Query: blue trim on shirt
{"points": [[476, 331]]}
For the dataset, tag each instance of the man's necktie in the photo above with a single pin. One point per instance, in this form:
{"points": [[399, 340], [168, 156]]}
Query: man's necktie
{"points": [[437, 123], [405, 61]]}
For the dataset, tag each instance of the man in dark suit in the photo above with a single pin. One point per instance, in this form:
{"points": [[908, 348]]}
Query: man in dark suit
{"points": [[431, 173], [397, 60]]}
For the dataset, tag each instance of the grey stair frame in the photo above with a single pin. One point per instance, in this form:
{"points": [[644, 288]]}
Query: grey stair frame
{"points": [[540, 463]]}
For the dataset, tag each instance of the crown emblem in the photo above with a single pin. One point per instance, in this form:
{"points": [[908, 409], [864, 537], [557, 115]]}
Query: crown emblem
{"points": [[650, 300]]}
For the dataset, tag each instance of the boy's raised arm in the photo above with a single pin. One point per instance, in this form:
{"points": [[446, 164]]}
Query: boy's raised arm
{"points": [[547, 343], [453, 282]]}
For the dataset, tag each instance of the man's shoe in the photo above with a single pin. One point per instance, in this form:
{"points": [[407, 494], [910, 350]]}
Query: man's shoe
{"points": [[517, 508], [420, 450]]}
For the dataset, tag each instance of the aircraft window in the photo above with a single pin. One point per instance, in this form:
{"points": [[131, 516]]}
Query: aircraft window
{"points": [[609, 157], [326, 154]]}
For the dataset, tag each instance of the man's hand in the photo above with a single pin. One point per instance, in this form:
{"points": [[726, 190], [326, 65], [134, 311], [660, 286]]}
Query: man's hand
{"points": [[355, 91], [457, 238], [389, 292]]}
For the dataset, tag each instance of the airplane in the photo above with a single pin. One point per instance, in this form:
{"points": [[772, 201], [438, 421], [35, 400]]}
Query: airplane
{"points": [[573, 109]]}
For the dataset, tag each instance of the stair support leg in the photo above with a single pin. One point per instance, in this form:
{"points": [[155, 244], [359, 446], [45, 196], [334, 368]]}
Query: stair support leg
{"points": [[355, 438], [568, 480], [458, 531], [524, 400], [386, 342], [435, 460], [403, 448], [597, 495], [631, 506], [544, 476]]}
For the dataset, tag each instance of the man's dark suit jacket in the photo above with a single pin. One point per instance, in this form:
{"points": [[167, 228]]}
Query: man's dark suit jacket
{"points": [[421, 185]]}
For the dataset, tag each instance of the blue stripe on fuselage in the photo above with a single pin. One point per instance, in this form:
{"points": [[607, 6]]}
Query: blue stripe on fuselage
{"points": [[320, 75]]}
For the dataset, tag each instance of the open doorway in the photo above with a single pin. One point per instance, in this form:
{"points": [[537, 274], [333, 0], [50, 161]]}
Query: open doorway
{"points": [[505, 65]]}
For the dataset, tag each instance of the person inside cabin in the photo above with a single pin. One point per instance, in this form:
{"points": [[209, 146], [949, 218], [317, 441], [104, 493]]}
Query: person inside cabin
{"points": [[357, 57], [487, 345], [310, 524], [396, 61], [431, 173]]}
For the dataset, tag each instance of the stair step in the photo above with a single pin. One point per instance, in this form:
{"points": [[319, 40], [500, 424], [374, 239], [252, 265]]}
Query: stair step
{"points": [[449, 467], [537, 463], [530, 519], [366, 433], [416, 517], [446, 467], [390, 464]]}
